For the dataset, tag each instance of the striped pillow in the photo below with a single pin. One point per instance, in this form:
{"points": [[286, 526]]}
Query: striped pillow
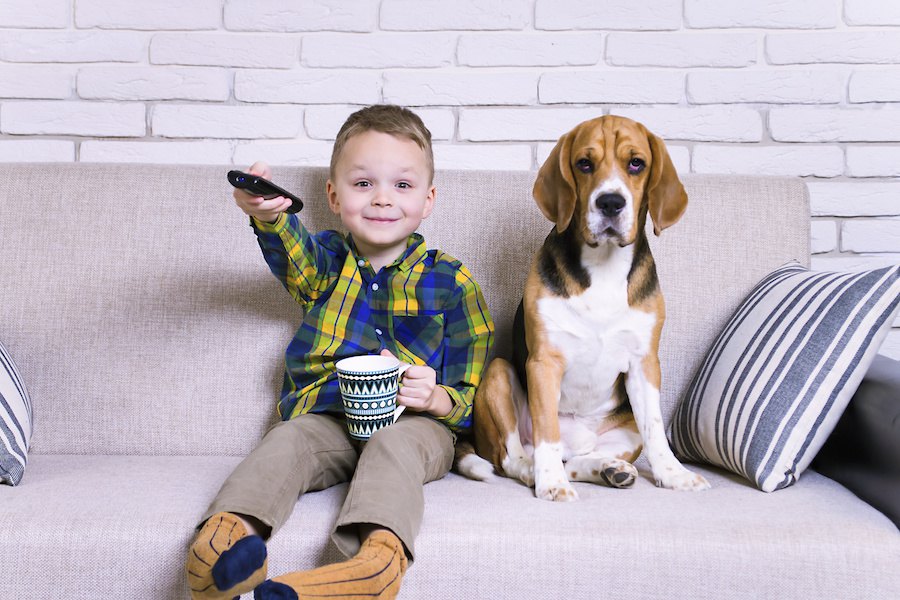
{"points": [[15, 421], [776, 381]]}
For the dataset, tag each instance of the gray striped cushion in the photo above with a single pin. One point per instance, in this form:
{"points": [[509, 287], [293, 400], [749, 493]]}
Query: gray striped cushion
{"points": [[15, 421], [775, 382]]}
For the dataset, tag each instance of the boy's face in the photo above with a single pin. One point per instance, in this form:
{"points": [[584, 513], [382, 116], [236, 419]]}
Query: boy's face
{"points": [[381, 190]]}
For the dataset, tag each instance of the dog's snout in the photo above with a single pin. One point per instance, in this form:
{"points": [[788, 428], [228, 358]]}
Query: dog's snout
{"points": [[610, 204]]}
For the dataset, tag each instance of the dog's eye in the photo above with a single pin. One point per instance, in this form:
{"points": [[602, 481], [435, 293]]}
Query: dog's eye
{"points": [[636, 166], [585, 166]]}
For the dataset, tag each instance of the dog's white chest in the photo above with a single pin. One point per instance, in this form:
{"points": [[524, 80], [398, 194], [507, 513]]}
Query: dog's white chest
{"points": [[600, 336]]}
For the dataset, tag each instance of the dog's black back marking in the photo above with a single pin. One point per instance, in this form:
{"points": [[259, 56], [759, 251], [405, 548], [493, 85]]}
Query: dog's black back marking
{"points": [[642, 279]]}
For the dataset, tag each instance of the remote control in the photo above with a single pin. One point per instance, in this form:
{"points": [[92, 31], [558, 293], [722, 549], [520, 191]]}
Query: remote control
{"points": [[257, 186]]}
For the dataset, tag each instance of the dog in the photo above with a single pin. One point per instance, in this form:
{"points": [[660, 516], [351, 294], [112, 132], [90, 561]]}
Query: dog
{"points": [[580, 400]]}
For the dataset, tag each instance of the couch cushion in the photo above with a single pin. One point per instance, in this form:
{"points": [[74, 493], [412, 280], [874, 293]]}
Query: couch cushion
{"points": [[119, 527], [777, 379], [15, 421]]}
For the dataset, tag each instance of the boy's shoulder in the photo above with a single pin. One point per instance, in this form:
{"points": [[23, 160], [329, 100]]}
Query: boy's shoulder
{"points": [[446, 264]]}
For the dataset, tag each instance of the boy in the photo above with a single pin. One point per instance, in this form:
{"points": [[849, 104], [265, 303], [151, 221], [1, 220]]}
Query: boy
{"points": [[377, 290]]}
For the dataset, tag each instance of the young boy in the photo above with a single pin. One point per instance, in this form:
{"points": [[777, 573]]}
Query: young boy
{"points": [[376, 290]]}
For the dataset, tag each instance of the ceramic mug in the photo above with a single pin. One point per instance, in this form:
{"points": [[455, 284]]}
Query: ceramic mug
{"points": [[369, 385]]}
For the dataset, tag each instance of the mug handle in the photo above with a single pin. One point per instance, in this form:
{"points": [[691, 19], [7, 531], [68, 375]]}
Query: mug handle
{"points": [[400, 408]]}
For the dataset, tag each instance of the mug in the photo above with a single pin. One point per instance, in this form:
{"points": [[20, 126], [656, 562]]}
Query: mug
{"points": [[369, 385]]}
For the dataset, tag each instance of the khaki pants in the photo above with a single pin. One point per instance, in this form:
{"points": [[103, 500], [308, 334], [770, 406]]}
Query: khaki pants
{"points": [[313, 451]]}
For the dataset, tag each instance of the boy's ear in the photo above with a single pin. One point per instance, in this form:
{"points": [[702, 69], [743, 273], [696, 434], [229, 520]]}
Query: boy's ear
{"points": [[333, 202], [429, 202]]}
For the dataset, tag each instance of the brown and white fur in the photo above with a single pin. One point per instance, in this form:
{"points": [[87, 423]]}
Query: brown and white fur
{"points": [[588, 329]]}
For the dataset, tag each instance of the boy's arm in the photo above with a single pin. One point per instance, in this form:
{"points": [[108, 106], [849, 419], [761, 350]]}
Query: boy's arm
{"points": [[469, 334], [294, 256]]}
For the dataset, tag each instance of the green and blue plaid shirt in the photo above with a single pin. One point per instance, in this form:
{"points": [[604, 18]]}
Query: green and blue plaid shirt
{"points": [[425, 308]]}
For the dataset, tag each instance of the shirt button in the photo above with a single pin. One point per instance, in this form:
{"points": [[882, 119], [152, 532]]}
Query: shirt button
{"points": [[374, 287], [378, 331], [361, 262]]}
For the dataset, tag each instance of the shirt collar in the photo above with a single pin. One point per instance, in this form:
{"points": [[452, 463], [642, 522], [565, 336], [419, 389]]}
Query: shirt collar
{"points": [[415, 250]]}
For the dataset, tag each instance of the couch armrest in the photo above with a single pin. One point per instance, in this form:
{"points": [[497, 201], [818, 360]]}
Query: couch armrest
{"points": [[863, 451]]}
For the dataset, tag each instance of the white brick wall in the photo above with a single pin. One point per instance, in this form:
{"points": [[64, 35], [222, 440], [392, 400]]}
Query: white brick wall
{"points": [[807, 88]]}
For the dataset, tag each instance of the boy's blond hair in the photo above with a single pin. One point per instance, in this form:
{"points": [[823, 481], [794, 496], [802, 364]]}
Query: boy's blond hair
{"points": [[385, 118]]}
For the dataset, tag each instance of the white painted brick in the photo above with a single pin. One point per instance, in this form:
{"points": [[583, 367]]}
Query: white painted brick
{"points": [[607, 14], [42, 14], [867, 12], [436, 15], [871, 235], [853, 262], [835, 124], [154, 83], [618, 87], [680, 155], [312, 86], [159, 14], [854, 199], [36, 81], [324, 122], [27, 151], [529, 49], [160, 152], [309, 15], [681, 49], [379, 51], [823, 236], [873, 161], [521, 124], [459, 87], [790, 160], [704, 123], [73, 46], [769, 14], [881, 85], [773, 87], [293, 153], [880, 47], [53, 117], [224, 122], [227, 50], [482, 156]]}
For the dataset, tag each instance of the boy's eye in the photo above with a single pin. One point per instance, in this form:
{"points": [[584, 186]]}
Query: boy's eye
{"points": [[362, 184], [403, 185]]}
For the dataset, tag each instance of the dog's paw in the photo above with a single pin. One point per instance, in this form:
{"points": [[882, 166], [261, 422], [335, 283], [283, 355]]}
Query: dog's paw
{"points": [[612, 472], [563, 492], [683, 481], [521, 468]]}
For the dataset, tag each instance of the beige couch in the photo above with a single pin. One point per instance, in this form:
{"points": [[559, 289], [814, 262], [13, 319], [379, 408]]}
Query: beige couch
{"points": [[150, 334]]}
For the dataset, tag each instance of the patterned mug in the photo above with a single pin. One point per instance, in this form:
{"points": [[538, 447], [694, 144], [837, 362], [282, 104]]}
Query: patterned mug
{"points": [[369, 385]]}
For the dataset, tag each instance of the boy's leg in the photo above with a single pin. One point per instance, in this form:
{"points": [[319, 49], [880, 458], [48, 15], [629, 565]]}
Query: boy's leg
{"points": [[385, 493], [310, 452]]}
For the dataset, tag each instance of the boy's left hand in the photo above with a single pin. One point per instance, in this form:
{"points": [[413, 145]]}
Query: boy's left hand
{"points": [[419, 390]]}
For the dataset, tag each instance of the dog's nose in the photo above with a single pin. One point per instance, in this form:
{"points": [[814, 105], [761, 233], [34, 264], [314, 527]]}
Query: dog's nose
{"points": [[610, 204]]}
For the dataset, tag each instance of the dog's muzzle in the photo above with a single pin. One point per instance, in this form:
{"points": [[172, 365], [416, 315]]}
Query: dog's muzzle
{"points": [[610, 205]]}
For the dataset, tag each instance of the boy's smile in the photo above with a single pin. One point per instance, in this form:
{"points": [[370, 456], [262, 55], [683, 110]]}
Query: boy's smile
{"points": [[382, 190]]}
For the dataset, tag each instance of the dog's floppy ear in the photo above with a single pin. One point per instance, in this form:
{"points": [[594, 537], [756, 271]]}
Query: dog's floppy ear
{"points": [[554, 188], [665, 194]]}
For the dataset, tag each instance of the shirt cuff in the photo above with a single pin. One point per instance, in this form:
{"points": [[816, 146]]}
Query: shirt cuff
{"points": [[277, 227], [459, 417]]}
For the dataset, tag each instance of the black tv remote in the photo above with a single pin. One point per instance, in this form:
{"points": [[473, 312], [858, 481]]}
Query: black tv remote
{"points": [[258, 186]]}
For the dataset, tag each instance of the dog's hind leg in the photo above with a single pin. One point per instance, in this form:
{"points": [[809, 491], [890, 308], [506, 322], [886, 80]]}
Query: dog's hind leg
{"points": [[498, 404]]}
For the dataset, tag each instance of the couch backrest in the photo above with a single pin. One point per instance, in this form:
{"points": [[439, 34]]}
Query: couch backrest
{"points": [[144, 320]]}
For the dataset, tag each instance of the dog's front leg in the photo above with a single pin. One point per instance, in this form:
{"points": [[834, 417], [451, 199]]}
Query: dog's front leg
{"points": [[642, 385], [545, 371]]}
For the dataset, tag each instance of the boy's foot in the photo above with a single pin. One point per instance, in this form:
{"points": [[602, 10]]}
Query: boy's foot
{"points": [[224, 561], [375, 572]]}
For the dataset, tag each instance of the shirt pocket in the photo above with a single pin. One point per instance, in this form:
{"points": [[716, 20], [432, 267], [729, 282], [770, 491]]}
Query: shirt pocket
{"points": [[422, 335]]}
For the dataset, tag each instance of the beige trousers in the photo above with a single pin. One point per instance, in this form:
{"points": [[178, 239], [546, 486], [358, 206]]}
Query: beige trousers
{"points": [[313, 451]]}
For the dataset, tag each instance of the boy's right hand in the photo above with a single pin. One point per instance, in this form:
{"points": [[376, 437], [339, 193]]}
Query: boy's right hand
{"points": [[262, 209]]}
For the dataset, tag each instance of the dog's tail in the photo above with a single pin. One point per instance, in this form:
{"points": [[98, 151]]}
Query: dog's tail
{"points": [[469, 464]]}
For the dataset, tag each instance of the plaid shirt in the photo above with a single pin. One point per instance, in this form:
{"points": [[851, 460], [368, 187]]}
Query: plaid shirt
{"points": [[425, 308]]}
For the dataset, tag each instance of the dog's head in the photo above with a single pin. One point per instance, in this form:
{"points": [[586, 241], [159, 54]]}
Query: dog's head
{"points": [[612, 172]]}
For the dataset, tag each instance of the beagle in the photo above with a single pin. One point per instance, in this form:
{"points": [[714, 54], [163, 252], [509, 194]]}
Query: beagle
{"points": [[580, 400]]}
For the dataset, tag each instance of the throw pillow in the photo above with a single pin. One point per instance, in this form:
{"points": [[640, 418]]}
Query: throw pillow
{"points": [[15, 421], [777, 379], [863, 451]]}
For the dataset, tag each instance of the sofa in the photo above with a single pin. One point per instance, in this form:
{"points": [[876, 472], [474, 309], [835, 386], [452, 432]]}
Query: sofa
{"points": [[150, 336]]}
